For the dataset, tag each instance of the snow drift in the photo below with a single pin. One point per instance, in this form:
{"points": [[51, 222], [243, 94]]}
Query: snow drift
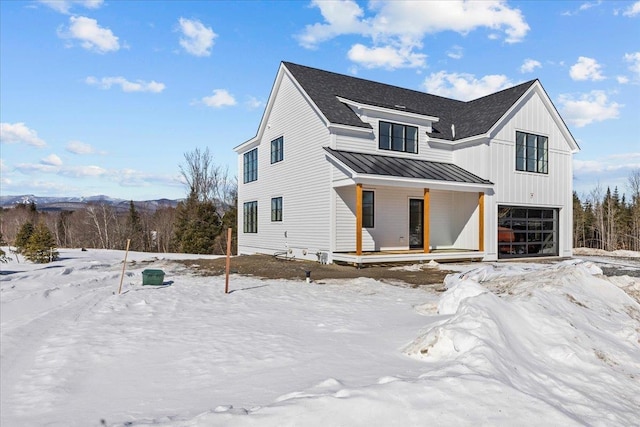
{"points": [[505, 344]]}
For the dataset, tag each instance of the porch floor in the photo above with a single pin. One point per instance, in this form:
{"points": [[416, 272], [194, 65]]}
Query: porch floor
{"points": [[410, 255]]}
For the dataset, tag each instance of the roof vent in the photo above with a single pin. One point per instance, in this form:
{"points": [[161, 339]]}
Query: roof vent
{"points": [[453, 131], [400, 106]]}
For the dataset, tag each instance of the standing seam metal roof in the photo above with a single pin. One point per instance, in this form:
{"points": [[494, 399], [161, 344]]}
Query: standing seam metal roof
{"points": [[376, 164]]}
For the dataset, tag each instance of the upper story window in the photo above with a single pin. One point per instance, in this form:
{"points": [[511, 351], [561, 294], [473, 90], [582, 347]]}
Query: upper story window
{"points": [[532, 153], [251, 166], [368, 209], [277, 150], [395, 137]]}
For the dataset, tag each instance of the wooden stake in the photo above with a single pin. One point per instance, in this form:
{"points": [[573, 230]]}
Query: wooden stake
{"points": [[124, 265], [226, 281]]}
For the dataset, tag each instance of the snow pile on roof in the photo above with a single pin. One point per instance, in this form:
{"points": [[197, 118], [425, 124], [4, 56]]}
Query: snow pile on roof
{"points": [[511, 344]]}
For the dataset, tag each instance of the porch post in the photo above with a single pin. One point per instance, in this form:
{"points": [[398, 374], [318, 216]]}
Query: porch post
{"points": [[358, 219], [425, 222], [481, 222]]}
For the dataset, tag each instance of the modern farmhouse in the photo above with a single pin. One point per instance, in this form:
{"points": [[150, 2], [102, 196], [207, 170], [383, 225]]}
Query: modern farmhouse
{"points": [[346, 169]]}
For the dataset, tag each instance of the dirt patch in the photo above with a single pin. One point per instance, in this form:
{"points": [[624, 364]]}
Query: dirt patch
{"points": [[269, 267]]}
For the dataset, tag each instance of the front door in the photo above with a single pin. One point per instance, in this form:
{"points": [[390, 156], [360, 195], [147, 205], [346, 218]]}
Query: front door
{"points": [[416, 216]]}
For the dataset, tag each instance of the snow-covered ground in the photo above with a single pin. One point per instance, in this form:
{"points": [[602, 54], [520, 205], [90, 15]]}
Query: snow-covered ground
{"points": [[506, 344]]}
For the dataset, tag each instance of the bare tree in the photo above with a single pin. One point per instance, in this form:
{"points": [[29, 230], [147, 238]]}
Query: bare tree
{"points": [[101, 217], [595, 197], [208, 182]]}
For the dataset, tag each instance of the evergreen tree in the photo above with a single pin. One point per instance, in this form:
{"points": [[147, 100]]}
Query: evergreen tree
{"points": [[134, 229], [3, 255], [40, 247], [22, 238], [197, 225]]}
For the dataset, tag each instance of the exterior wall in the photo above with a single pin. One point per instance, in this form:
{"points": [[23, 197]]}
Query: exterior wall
{"points": [[453, 218], [524, 188], [302, 179], [369, 144]]}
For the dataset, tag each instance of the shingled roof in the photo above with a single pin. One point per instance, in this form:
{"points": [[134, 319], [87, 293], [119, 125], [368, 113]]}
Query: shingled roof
{"points": [[470, 118], [376, 164]]}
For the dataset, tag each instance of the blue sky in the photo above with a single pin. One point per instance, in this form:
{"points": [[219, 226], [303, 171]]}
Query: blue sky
{"points": [[105, 97]]}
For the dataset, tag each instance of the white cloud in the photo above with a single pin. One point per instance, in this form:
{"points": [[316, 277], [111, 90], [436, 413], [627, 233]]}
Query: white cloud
{"points": [[198, 39], [456, 52], [90, 34], [633, 10], [341, 17], [64, 6], [125, 85], [220, 98], [623, 80], [396, 26], [607, 166], [78, 147], [529, 65], [83, 171], [588, 108], [385, 57], [464, 87], [18, 132], [253, 102], [586, 69], [634, 60], [52, 160]]}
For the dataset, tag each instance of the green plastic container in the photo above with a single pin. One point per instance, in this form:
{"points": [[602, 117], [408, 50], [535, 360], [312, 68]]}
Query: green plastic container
{"points": [[152, 277]]}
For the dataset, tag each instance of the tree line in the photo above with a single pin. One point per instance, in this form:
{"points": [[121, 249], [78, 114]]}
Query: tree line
{"points": [[196, 225], [602, 219], [605, 220]]}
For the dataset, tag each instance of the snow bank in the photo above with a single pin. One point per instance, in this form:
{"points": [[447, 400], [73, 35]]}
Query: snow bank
{"points": [[559, 334], [601, 252]]}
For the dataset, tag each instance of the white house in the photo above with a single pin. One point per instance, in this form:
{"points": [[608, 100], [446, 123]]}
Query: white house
{"points": [[346, 169]]}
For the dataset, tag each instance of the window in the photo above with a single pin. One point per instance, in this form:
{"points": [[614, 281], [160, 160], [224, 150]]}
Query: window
{"points": [[251, 166], [277, 150], [367, 209], [527, 232], [276, 209], [532, 153], [251, 217], [397, 137]]}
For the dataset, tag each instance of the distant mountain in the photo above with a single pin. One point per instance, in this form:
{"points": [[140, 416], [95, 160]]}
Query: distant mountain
{"points": [[75, 203]]}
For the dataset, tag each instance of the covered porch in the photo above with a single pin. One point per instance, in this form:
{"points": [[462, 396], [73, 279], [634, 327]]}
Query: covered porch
{"points": [[433, 214]]}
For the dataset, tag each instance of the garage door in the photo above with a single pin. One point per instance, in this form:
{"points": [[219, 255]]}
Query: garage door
{"points": [[527, 232]]}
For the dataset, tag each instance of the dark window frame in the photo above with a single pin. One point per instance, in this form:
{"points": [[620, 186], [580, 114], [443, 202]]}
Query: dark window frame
{"points": [[276, 209], [368, 209], [396, 137], [532, 153], [250, 167], [277, 150], [250, 217]]}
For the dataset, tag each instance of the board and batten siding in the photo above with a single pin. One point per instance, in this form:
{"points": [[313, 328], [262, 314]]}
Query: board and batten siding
{"points": [[519, 188], [302, 179]]}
